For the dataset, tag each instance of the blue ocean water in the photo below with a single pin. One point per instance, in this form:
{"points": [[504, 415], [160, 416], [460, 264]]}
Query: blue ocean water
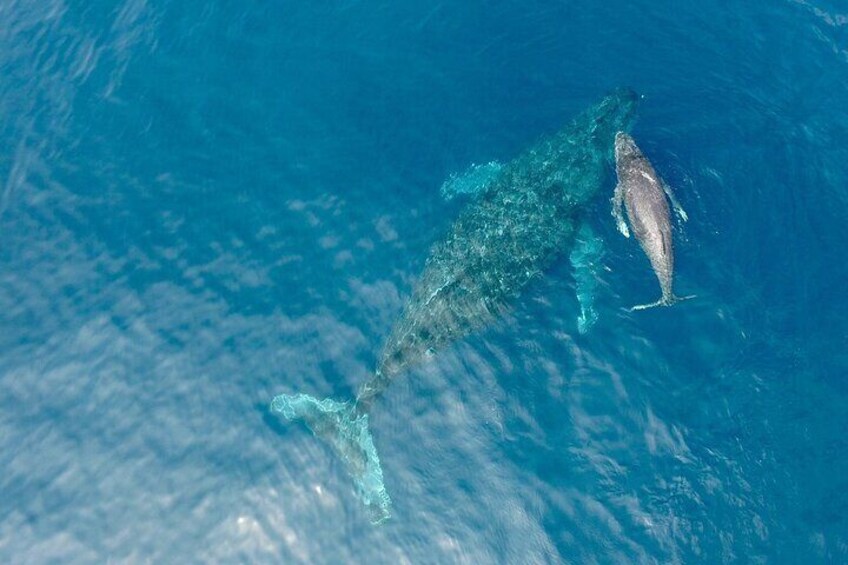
{"points": [[206, 204]]}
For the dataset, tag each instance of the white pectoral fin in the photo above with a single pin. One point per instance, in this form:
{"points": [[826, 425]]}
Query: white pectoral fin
{"points": [[617, 210], [475, 180], [586, 257], [678, 209]]}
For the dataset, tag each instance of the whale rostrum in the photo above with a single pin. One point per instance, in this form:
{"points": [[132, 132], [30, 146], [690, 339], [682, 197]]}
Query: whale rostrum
{"points": [[528, 214]]}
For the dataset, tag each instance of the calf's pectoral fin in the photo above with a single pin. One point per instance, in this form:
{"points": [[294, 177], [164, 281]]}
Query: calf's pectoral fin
{"points": [[617, 210], [678, 209]]}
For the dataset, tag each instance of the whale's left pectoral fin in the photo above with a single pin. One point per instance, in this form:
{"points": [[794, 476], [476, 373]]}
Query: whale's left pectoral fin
{"points": [[678, 209], [586, 257], [617, 210], [475, 180]]}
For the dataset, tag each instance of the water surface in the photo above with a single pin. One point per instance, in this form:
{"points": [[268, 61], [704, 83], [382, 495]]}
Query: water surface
{"points": [[204, 204]]}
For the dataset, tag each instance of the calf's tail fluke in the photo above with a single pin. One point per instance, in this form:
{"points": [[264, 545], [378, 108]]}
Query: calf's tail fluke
{"points": [[664, 301], [345, 429]]}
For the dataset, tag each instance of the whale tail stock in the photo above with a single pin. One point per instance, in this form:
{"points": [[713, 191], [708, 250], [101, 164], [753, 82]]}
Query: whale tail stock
{"points": [[344, 427], [664, 301]]}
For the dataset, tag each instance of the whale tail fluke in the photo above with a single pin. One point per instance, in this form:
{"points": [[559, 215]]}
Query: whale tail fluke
{"points": [[346, 431], [664, 301]]}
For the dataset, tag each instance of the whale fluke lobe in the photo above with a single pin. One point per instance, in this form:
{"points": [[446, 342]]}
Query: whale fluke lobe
{"points": [[346, 431], [664, 301]]}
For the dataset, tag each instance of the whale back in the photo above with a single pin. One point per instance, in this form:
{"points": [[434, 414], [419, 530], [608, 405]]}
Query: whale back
{"points": [[510, 234], [647, 209]]}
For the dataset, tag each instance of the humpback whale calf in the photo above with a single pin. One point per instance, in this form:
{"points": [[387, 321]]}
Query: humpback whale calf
{"points": [[643, 194], [529, 212]]}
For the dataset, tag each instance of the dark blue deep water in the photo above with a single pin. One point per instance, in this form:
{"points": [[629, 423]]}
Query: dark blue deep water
{"points": [[206, 204]]}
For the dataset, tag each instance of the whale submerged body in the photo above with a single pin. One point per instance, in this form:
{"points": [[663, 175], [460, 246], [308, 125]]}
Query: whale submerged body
{"points": [[526, 216]]}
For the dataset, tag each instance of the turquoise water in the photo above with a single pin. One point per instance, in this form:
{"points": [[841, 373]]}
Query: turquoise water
{"points": [[205, 205]]}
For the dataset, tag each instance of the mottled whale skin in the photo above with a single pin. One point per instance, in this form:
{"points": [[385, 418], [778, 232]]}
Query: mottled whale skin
{"points": [[523, 220], [643, 195]]}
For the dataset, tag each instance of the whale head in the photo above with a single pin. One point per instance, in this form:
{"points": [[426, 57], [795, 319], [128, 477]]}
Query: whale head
{"points": [[577, 159], [624, 146], [597, 127], [615, 113]]}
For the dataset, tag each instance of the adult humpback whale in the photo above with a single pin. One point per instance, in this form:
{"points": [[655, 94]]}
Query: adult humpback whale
{"points": [[528, 214]]}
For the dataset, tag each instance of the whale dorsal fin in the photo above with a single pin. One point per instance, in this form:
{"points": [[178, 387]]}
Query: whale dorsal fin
{"points": [[473, 181]]}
